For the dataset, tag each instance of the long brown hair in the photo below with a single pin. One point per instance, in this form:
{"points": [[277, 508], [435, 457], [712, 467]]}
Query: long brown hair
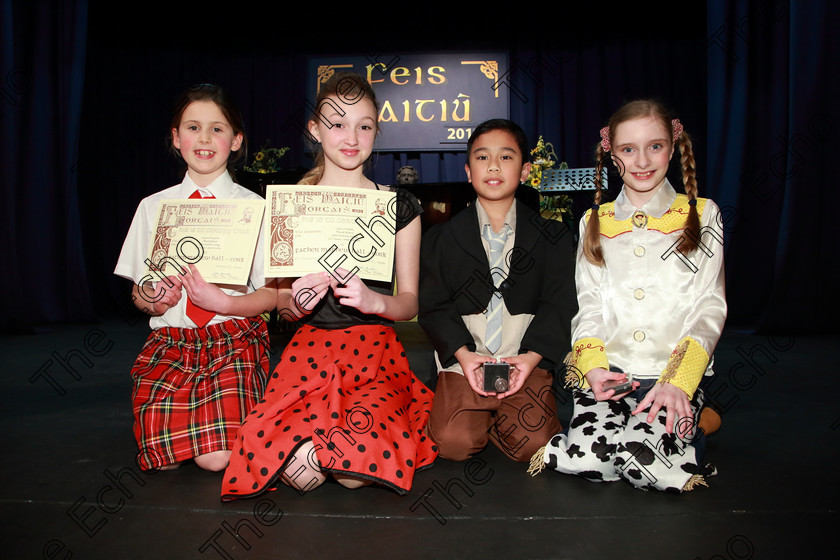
{"points": [[634, 110], [349, 88]]}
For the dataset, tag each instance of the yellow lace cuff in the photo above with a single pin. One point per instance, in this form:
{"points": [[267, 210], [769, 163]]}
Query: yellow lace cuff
{"points": [[686, 366], [587, 353]]}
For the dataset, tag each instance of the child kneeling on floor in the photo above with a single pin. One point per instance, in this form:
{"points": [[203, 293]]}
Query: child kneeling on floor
{"points": [[496, 285], [650, 288]]}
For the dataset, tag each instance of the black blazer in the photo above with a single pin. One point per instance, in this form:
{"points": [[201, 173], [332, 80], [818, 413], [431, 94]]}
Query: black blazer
{"points": [[455, 281]]}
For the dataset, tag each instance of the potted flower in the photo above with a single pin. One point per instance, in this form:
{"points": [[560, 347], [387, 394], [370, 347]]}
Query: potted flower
{"points": [[552, 206], [265, 169]]}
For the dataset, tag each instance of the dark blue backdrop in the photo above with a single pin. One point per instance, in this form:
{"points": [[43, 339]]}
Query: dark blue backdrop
{"points": [[86, 93]]}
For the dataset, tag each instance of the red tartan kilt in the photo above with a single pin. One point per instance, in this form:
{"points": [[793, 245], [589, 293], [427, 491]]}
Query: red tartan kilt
{"points": [[193, 388]]}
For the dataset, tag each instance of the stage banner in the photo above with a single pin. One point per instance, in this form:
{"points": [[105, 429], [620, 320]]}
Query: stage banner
{"points": [[427, 102]]}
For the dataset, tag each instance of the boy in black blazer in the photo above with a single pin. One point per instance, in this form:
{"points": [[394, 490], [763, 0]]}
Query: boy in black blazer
{"points": [[496, 285]]}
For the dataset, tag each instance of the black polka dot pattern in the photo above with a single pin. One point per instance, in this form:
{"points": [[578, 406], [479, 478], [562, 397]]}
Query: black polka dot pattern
{"points": [[361, 402]]}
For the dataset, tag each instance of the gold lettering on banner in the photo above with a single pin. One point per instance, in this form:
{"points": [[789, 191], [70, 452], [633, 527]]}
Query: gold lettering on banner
{"points": [[457, 103], [402, 76], [490, 68], [437, 78], [466, 116], [400, 72], [326, 72], [386, 113], [390, 112], [370, 68], [420, 103]]}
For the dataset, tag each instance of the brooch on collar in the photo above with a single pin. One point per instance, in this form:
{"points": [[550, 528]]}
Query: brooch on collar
{"points": [[640, 219]]}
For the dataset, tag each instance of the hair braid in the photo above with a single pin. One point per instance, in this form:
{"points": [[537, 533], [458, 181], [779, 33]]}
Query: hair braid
{"points": [[689, 176], [634, 110], [592, 238]]}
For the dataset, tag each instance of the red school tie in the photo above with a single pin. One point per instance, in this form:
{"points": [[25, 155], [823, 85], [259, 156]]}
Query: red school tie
{"points": [[198, 315]]}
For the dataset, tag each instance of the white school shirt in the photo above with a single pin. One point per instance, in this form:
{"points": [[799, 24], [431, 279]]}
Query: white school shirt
{"points": [[647, 297], [513, 326], [136, 247]]}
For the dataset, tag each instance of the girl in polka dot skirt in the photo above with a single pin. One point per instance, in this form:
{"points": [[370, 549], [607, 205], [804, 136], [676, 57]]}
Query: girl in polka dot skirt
{"points": [[650, 287], [342, 403]]}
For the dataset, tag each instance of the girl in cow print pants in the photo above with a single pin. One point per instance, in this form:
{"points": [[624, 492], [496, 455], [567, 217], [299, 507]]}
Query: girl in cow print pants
{"points": [[650, 287]]}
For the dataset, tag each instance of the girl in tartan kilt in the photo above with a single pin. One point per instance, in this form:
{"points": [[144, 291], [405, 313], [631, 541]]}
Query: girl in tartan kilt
{"points": [[204, 365]]}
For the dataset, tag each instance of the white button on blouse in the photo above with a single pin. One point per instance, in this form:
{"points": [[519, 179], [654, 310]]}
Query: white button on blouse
{"points": [[682, 294]]}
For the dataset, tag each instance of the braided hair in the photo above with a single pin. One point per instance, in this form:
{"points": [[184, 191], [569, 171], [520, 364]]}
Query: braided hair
{"points": [[630, 111]]}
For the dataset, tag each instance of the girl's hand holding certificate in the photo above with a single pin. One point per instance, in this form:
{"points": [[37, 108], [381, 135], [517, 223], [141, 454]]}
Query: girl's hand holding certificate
{"points": [[307, 291], [356, 294]]}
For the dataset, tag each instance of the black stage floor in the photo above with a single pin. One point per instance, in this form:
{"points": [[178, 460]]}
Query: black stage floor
{"points": [[71, 488]]}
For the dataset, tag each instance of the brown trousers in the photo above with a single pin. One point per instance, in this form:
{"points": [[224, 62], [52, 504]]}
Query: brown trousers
{"points": [[462, 421]]}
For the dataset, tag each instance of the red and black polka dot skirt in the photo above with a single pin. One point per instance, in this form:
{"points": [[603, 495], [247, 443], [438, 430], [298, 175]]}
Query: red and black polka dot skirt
{"points": [[349, 391]]}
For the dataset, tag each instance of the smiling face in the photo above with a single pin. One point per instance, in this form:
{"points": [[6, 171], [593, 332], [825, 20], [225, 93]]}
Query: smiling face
{"points": [[346, 132], [495, 166], [644, 148], [205, 140]]}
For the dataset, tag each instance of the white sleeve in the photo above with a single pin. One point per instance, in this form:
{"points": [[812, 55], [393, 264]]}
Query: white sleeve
{"points": [[704, 321], [130, 264], [588, 322]]}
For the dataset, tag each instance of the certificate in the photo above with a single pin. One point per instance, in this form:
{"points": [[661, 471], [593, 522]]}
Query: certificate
{"points": [[312, 227], [218, 236]]}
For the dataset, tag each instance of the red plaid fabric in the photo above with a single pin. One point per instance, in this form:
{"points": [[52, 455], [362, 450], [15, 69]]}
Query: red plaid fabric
{"points": [[193, 388]]}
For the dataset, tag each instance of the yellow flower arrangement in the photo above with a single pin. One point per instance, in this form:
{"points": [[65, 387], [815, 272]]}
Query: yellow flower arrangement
{"points": [[542, 158], [267, 160]]}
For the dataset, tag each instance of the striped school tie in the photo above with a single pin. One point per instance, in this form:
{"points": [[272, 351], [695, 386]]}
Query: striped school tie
{"points": [[493, 334]]}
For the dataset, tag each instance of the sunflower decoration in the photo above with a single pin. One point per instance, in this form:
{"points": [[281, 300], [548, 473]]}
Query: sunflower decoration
{"points": [[267, 160], [542, 157], [556, 206]]}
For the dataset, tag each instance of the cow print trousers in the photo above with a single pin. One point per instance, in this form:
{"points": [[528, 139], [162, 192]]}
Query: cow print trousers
{"points": [[606, 443]]}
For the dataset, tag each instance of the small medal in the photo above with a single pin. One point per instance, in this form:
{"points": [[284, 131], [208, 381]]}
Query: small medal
{"points": [[639, 219]]}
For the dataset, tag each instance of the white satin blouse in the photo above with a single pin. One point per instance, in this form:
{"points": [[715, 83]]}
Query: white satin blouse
{"points": [[650, 295]]}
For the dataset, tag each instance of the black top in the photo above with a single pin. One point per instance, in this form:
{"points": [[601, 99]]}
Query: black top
{"points": [[329, 314]]}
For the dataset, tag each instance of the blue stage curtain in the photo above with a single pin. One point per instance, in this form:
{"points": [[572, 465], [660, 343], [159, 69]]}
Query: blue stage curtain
{"points": [[773, 123], [565, 88], [42, 68], [754, 83]]}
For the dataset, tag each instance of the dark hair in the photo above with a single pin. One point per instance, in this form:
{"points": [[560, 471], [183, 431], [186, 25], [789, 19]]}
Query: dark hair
{"points": [[501, 124], [349, 88], [225, 103], [629, 111]]}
